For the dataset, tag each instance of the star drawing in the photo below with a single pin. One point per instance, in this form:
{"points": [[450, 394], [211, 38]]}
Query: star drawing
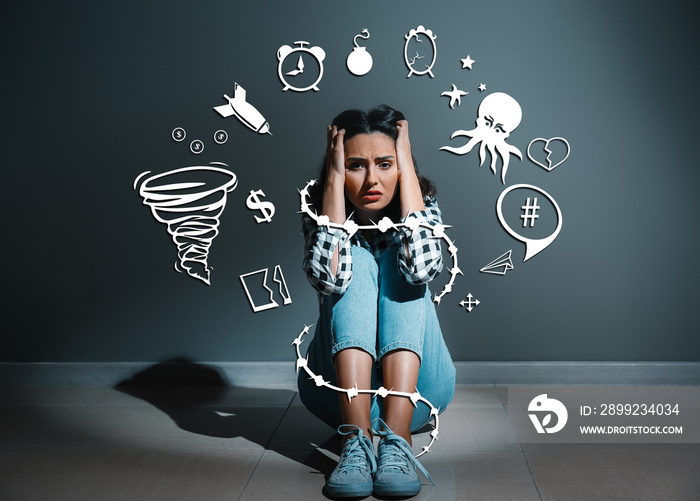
{"points": [[455, 96], [467, 62]]}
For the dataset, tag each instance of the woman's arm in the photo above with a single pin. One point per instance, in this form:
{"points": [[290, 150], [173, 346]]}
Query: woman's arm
{"points": [[334, 190], [421, 259], [320, 245], [327, 258], [410, 193]]}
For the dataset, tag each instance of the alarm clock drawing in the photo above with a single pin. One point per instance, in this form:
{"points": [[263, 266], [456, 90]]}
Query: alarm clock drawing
{"points": [[300, 68], [419, 59]]}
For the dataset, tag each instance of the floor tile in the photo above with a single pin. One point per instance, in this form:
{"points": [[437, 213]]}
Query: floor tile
{"points": [[469, 476], [482, 476], [640, 447], [46, 395], [247, 427], [289, 476], [299, 429], [46, 427], [637, 476], [69, 475], [222, 442], [138, 427], [193, 396], [484, 429], [474, 397]]}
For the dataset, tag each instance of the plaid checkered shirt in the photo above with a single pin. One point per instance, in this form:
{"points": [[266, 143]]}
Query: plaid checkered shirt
{"points": [[421, 263]]}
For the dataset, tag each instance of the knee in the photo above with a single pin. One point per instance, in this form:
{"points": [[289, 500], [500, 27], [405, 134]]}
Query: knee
{"points": [[362, 260], [393, 283], [365, 273]]}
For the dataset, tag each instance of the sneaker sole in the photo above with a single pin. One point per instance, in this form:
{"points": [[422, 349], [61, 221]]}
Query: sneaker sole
{"points": [[349, 490], [396, 489]]}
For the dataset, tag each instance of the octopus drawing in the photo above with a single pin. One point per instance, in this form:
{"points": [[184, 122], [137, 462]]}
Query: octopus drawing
{"points": [[498, 115]]}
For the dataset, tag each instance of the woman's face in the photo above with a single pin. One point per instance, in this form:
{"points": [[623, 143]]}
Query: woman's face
{"points": [[371, 173]]}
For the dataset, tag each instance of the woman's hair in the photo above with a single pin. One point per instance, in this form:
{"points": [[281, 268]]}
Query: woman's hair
{"points": [[382, 119]]}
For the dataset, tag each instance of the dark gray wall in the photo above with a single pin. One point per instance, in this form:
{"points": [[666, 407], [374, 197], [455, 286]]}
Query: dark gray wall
{"points": [[92, 90]]}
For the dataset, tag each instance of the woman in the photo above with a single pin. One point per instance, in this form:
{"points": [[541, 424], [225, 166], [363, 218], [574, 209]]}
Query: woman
{"points": [[377, 324]]}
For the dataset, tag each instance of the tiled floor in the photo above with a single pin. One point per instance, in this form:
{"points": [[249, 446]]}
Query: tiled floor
{"points": [[225, 443]]}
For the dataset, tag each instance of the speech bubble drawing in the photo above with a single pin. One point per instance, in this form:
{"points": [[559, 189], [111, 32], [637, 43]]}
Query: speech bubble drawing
{"points": [[533, 246]]}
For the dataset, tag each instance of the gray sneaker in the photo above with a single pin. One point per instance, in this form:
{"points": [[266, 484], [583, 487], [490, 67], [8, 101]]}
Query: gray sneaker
{"points": [[353, 475], [396, 470]]}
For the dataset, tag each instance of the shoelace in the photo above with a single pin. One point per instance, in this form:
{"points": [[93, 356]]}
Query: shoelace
{"points": [[396, 453], [357, 452]]}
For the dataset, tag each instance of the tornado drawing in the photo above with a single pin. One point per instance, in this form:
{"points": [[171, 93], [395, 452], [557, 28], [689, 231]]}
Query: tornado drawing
{"points": [[189, 201]]}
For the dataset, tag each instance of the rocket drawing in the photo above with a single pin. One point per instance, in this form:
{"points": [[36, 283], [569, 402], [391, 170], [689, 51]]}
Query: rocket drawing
{"points": [[244, 111]]}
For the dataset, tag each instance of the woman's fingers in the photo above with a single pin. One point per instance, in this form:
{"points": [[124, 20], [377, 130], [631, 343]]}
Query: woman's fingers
{"points": [[402, 140], [329, 137], [335, 154], [339, 148]]}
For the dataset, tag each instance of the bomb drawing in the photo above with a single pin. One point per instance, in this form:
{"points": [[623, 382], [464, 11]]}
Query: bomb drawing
{"points": [[190, 201], [359, 61]]}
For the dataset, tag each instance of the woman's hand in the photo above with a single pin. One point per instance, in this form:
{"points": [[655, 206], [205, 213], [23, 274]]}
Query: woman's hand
{"points": [[404, 157], [335, 156], [411, 196]]}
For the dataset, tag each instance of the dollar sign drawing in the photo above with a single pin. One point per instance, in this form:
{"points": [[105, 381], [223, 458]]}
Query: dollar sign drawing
{"points": [[267, 208]]}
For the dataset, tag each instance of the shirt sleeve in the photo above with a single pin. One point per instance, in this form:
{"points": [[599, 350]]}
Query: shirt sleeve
{"points": [[319, 243], [420, 256]]}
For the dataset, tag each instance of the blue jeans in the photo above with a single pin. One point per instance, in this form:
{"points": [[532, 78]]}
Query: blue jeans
{"points": [[378, 313]]}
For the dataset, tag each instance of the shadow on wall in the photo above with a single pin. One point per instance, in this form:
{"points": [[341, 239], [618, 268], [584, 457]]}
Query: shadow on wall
{"points": [[199, 399]]}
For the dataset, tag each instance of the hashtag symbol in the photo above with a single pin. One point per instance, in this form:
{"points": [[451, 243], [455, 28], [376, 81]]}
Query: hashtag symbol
{"points": [[530, 212]]}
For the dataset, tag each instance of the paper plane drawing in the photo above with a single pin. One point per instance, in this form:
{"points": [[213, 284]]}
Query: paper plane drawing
{"points": [[500, 265], [244, 111]]}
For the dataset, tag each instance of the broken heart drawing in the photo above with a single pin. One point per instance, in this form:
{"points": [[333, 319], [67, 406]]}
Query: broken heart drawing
{"points": [[556, 146]]}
